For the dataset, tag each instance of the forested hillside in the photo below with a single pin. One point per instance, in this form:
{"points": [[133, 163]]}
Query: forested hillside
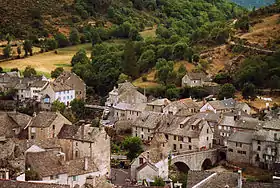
{"points": [[253, 3]]}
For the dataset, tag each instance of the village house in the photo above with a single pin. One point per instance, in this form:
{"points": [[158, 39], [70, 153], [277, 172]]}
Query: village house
{"points": [[125, 93], [184, 107], [80, 141], [63, 93], [75, 82], [240, 147], [45, 125], [51, 167], [186, 133], [227, 105], [145, 126], [195, 79], [157, 105], [232, 122], [125, 111], [7, 78], [266, 145], [153, 162]]}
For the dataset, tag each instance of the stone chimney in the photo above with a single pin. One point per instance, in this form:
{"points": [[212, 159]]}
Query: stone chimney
{"points": [[85, 163]]}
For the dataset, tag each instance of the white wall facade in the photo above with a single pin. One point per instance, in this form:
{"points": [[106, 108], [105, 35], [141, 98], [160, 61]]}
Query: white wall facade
{"points": [[65, 96], [208, 107]]}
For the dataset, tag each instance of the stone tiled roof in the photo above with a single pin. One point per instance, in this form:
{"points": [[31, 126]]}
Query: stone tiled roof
{"points": [[264, 135], [208, 116], [242, 137], [76, 167], [248, 123], [272, 124], [194, 177], [223, 104], [43, 119], [132, 107], [221, 180], [139, 168], [83, 133], [6, 125], [149, 120], [260, 185], [198, 76], [58, 87], [40, 83], [63, 76], [7, 149], [21, 119], [160, 102], [125, 87], [24, 184]]}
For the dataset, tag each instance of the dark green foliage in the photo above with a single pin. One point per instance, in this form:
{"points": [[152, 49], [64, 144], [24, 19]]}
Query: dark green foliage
{"points": [[19, 51], [226, 91], [27, 46], [62, 40], [181, 177], [249, 91], [197, 92], [51, 44], [243, 24], [146, 60], [164, 71], [222, 78], [14, 70], [158, 182], [130, 66], [80, 57], [55, 73], [7, 51], [133, 145], [58, 106], [29, 72], [1, 70], [78, 108], [74, 37], [31, 175]]}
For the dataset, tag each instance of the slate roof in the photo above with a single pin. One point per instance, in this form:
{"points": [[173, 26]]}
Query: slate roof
{"points": [[159, 102], [221, 180], [43, 119], [242, 137], [248, 123], [58, 87], [133, 107], [24, 184], [260, 185], [125, 87], [272, 124], [7, 125], [223, 104], [149, 120], [198, 76], [264, 135], [64, 76], [40, 83], [82, 133], [208, 116], [49, 163], [139, 168], [21, 119], [194, 177]]}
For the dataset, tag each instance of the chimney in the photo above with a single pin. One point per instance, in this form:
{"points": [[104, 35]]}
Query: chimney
{"points": [[34, 114], [86, 163], [240, 179]]}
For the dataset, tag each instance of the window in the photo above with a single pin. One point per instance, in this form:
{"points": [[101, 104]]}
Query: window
{"points": [[225, 128], [52, 177], [259, 142], [166, 136], [57, 177], [220, 127], [53, 127], [141, 160], [181, 126], [241, 152], [193, 127], [180, 138], [275, 136], [75, 178], [190, 139], [142, 136], [77, 154], [142, 129], [259, 148], [238, 144], [175, 137], [207, 138], [190, 147], [163, 145], [207, 130], [148, 130], [76, 143], [230, 150], [174, 147], [181, 146]]}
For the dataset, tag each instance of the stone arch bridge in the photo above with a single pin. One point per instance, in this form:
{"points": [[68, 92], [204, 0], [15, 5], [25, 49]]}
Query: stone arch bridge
{"points": [[200, 160]]}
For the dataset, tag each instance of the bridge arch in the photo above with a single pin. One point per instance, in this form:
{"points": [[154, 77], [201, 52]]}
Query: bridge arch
{"points": [[206, 164], [182, 167]]}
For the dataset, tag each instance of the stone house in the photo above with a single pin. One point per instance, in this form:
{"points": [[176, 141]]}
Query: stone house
{"points": [[145, 126], [51, 167], [75, 82], [186, 133], [157, 105], [240, 147], [63, 92], [227, 105], [125, 111], [184, 107], [150, 164], [125, 93], [266, 145], [79, 141], [45, 125], [232, 122], [7, 78], [195, 79]]}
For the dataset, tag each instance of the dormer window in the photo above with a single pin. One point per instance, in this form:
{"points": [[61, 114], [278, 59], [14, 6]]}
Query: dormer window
{"points": [[181, 126], [193, 127]]}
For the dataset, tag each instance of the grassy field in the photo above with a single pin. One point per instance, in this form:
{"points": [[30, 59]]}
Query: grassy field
{"points": [[149, 32], [46, 62]]}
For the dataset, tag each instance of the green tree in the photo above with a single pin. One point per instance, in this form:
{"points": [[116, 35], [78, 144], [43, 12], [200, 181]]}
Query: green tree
{"points": [[62, 40], [130, 66], [147, 60], [56, 72], [158, 181], [123, 78], [74, 37], [226, 91], [80, 57], [95, 37], [274, 82], [58, 106], [164, 70], [7, 51], [51, 44], [133, 145], [1, 70], [27, 46], [249, 91], [19, 51], [78, 107], [29, 72]]}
